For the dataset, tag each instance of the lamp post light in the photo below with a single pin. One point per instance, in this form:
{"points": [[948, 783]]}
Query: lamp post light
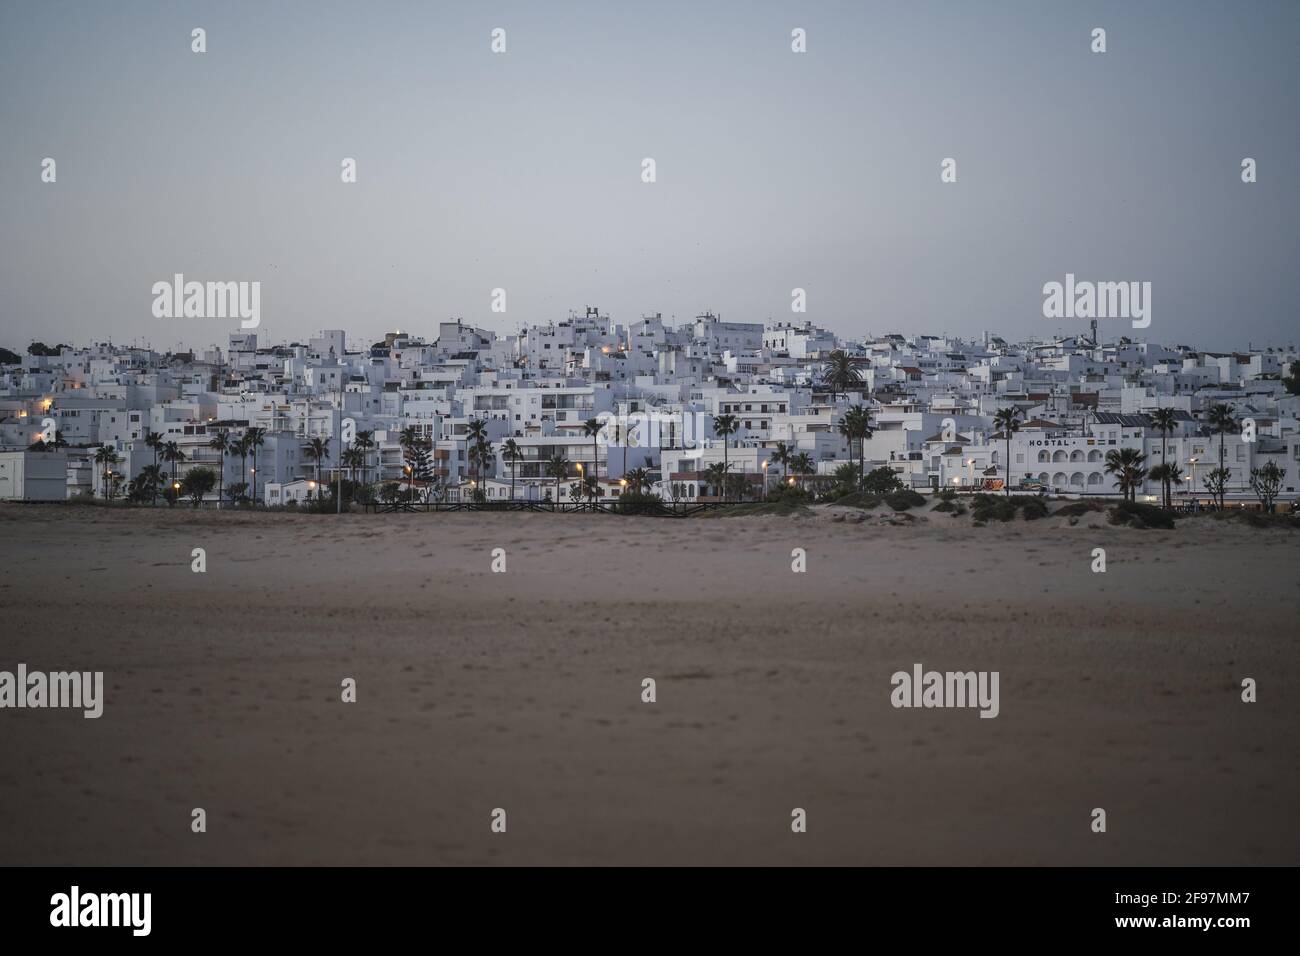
{"points": [[765, 464]]}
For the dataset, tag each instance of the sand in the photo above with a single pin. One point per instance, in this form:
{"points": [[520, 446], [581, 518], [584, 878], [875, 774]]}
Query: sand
{"points": [[478, 690]]}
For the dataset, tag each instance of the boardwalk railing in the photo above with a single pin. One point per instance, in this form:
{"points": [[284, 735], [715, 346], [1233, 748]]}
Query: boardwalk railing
{"points": [[649, 509]]}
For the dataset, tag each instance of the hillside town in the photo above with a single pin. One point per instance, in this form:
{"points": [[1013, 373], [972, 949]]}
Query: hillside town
{"points": [[588, 409]]}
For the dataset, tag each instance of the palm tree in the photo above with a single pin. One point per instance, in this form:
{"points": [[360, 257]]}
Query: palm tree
{"points": [[147, 483], [480, 454], [317, 450], [716, 475], [107, 457], [364, 441], [591, 428], [1126, 465], [256, 438], [475, 436], [221, 442], [856, 425], [239, 446], [557, 468], [352, 459], [1222, 420], [723, 426], [1163, 420], [782, 455], [840, 372], [510, 450], [638, 479], [154, 441], [1008, 420], [802, 464], [1168, 474], [172, 454]]}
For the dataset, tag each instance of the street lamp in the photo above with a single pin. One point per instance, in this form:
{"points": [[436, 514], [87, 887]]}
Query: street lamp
{"points": [[765, 464]]}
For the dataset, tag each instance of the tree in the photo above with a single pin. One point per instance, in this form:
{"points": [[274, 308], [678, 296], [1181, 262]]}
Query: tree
{"points": [[1266, 482], [716, 476], [802, 464], [144, 486], [317, 450], [591, 428], [364, 442], [480, 453], [591, 488], [417, 458], [409, 437], [1222, 421], [557, 468], [781, 455], [638, 480], [239, 446], [354, 459], [10, 358], [847, 477], [154, 441], [1216, 483], [1169, 475], [1126, 464], [1008, 420], [882, 481], [172, 454], [476, 438], [1292, 381], [221, 443], [107, 457], [256, 438], [840, 373], [1163, 419], [510, 450], [855, 425], [723, 426], [197, 483]]}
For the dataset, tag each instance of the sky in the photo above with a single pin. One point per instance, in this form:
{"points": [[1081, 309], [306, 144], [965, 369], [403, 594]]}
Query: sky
{"points": [[522, 170]]}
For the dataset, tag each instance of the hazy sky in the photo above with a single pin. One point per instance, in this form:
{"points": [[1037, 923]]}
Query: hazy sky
{"points": [[522, 171]]}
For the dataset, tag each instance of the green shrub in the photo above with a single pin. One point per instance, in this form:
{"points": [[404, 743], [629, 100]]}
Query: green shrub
{"points": [[858, 500], [1033, 508], [1137, 515], [993, 509], [1076, 508], [881, 482], [904, 499]]}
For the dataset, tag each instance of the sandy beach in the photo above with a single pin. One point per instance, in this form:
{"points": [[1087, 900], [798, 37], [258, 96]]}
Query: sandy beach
{"points": [[479, 690]]}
